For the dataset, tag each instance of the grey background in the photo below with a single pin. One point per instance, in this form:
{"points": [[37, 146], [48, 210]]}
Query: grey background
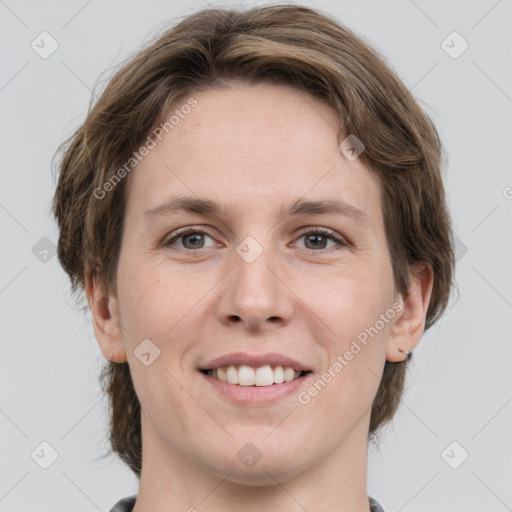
{"points": [[459, 388]]}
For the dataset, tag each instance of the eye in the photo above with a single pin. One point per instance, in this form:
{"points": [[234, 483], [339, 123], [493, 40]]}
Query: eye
{"points": [[317, 238], [192, 238]]}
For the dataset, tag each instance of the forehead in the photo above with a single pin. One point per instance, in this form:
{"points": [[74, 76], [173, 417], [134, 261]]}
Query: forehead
{"points": [[247, 144]]}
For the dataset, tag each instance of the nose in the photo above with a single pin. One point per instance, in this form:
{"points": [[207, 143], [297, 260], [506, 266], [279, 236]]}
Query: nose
{"points": [[255, 293]]}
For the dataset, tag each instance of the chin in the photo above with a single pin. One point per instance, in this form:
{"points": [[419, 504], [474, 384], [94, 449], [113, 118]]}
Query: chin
{"points": [[263, 473], [257, 459]]}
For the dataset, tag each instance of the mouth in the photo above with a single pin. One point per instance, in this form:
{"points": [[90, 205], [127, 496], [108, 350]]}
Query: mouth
{"points": [[260, 376], [260, 380]]}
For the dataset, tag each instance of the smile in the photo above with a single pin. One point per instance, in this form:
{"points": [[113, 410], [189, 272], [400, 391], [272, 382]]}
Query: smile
{"points": [[244, 375]]}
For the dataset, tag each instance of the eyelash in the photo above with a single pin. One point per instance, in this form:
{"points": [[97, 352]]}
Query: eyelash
{"points": [[332, 235]]}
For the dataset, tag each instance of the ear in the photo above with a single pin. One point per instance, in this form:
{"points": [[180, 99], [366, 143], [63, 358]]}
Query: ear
{"points": [[105, 318], [408, 327]]}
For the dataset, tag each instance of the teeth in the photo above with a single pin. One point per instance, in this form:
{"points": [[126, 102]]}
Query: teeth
{"points": [[221, 374], [232, 375], [244, 375], [264, 376], [278, 375], [289, 373]]}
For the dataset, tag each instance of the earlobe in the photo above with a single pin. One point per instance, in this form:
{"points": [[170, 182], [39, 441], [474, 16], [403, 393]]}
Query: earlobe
{"points": [[408, 327], [105, 318]]}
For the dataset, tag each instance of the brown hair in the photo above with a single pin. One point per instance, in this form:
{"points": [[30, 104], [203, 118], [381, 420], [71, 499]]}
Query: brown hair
{"points": [[282, 44]]}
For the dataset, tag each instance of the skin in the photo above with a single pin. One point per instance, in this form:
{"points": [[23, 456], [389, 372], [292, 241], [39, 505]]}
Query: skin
{"points": [[254, 148]]}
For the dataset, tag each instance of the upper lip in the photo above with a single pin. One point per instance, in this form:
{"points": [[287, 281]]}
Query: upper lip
{"points": [[254, 360]]}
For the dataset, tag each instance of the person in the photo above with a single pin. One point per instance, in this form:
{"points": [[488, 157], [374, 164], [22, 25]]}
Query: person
{"points": [[254, 210]]}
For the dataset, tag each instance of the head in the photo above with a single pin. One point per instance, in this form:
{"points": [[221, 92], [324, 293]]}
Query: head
{"points": [[253, 110]]}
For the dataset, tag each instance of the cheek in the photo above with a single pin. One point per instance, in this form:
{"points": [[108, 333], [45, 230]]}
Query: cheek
{"points": [[155, 298], [354, 307], [347, 385], [351, 298], [165, 405]]}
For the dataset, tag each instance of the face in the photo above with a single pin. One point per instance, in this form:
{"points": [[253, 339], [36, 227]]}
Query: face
{"points": [[264, 282]]}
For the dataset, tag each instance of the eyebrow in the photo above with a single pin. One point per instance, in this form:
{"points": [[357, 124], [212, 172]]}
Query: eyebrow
{"points": [[297, 207]]}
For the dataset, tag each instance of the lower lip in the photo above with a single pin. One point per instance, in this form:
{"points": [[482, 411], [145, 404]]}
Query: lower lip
{"points": [[256, 395]]}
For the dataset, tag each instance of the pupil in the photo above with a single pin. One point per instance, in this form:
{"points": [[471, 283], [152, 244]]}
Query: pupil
{"points": [[310, 237], [193, 235], [315, 239]]}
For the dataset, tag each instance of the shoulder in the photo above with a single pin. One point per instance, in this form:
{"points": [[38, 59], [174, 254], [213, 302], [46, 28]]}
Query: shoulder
{"points": [[125, 504], [375, 505]]}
